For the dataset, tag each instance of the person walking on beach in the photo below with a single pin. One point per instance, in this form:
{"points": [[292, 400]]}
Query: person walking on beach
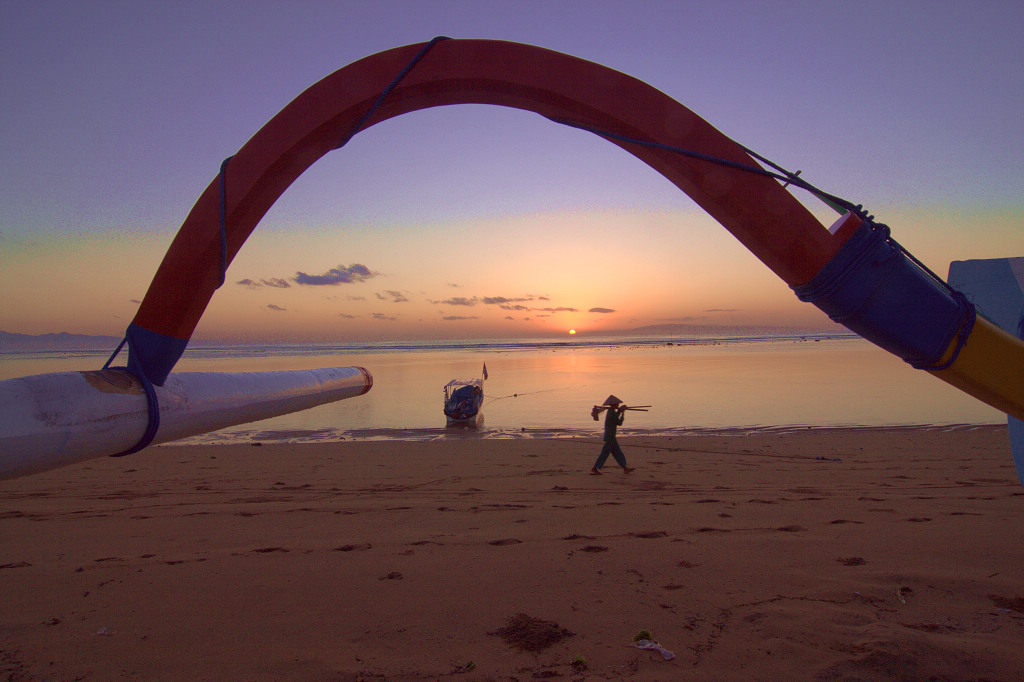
{"points": [[613, 418]]}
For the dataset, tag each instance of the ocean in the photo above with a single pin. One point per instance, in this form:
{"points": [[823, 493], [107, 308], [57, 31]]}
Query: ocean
{"points": [[546, 388]]}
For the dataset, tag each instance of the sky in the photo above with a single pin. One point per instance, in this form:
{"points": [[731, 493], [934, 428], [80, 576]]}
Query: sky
{"points": [[477, 221]]}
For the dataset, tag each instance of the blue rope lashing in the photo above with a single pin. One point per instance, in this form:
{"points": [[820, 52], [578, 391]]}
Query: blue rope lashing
{"points": [[391, 86], [152, 402], [873, 287], [969, 315]]}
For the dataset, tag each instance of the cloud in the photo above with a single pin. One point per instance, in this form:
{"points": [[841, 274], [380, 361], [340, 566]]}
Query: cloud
{"points": [[723, 310], [516, 304], [393, 296], [459, 300], [454, 318], [357, 272], [347, 316], [382, 316], [275, 308], [275, 282], [498, 300], [601, 310]]}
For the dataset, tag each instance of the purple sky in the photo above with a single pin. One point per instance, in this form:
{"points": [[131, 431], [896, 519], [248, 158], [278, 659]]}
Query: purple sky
{"points": [[114, 116]]}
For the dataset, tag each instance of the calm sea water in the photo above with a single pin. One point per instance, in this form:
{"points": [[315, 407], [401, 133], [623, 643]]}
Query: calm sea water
{"points": [[545, 388]]}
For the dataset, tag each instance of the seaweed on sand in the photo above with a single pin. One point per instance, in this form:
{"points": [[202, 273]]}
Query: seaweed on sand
{"points": [[531, 634]]}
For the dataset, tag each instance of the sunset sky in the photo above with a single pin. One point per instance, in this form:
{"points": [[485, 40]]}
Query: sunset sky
{"points": [[476, 221]]}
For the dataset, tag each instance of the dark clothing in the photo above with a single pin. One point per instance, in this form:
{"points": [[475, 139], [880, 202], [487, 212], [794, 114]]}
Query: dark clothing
{"points": [[611, 447], [612, 421]]}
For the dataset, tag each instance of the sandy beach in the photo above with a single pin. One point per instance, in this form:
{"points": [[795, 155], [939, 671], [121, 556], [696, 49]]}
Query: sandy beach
{"points": [[822, 554]]}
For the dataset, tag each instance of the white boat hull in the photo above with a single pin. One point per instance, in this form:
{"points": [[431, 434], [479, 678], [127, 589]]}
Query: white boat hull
{"points": [[52, 420]]}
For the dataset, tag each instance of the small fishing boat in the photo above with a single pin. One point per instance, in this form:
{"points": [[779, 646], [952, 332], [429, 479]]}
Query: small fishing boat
{"points": [[463, 399]]}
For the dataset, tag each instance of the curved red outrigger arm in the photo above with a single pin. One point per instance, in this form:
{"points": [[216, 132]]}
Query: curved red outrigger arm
{"points": [[756, 209]]}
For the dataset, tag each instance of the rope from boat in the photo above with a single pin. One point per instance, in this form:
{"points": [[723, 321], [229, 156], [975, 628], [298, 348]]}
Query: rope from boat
{"points": [[516, 395]]}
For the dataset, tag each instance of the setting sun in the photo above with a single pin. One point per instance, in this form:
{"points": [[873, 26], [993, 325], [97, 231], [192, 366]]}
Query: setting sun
{"points": [[572, 331]]}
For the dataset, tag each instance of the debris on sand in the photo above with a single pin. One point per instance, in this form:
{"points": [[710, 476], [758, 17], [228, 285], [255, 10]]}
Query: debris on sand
{"points": [[531, 634]]}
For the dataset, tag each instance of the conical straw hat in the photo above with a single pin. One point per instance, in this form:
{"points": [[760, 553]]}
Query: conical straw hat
{"points": [[612, 400]]}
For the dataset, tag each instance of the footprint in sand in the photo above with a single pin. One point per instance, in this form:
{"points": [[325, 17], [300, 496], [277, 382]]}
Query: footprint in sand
{"points": [[354, 548], [16, 564], [506, 541], [1008, 603]]}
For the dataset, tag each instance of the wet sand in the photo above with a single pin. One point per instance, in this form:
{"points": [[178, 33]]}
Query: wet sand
{"points": [[824, 554]]}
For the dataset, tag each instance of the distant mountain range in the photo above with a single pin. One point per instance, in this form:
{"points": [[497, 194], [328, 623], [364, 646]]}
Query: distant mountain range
{"points": [[712, 329], [62, 341]]}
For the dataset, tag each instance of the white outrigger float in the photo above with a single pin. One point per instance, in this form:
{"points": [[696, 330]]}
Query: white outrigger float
{"points": [[51, 420]]}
